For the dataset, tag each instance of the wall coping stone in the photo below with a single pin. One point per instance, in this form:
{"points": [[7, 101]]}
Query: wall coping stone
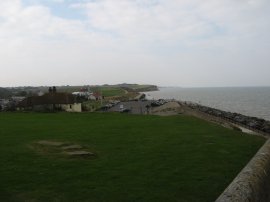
{"points": [[253, 182]]}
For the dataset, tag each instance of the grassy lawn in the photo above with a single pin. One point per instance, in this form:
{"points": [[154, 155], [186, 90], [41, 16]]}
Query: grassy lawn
{"points": [[93, 105], [139, 158]]}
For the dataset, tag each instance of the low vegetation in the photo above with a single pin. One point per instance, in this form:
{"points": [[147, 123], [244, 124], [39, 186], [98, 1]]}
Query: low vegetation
{"points": [[109, 91], [5, 93], [137, 158], [93, 105]]}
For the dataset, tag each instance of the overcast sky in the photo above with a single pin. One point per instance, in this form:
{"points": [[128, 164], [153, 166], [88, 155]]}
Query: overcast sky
{"points": [[164, 42]]}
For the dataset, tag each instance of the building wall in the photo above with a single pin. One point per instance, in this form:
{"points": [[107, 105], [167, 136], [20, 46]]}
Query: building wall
{"points": [[77, 107]]}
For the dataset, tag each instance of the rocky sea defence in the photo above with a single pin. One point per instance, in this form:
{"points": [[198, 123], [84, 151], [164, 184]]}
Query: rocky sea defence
{"points": [[252, 123]]}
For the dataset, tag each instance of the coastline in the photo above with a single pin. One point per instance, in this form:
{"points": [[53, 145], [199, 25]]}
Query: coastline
{"points": [[249, 101], [236, 121]]}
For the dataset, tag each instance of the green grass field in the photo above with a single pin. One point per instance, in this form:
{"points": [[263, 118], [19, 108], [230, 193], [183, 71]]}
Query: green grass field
{"points": [[139, 158], [109, 91]]}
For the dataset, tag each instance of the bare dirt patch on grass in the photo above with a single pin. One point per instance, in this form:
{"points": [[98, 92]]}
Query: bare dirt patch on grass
{"points": [[64, 149], [50, 143]]}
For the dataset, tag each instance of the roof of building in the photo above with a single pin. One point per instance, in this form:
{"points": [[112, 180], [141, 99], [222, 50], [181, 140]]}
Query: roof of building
{"points": [[48, 98], [97, 94]]}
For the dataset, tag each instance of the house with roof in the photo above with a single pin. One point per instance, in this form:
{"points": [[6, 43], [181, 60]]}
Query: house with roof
{"points": [[52, 101], [85, 95], [98, 95]]}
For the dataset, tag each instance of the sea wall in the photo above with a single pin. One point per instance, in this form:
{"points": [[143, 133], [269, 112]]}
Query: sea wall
{"points": [[253, 182], [252, 123]]}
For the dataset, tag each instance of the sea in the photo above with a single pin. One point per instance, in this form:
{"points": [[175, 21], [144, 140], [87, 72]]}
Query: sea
{"points": [[250, 101]]}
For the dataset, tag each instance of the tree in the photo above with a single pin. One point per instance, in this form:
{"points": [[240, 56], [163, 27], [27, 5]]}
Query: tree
{"points": [[11, 106], [22, 93]]}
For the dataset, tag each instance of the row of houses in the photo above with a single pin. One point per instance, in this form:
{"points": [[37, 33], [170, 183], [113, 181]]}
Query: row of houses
{"points": [[4, 104], [10, 104], [51, 101], [89, 95]]}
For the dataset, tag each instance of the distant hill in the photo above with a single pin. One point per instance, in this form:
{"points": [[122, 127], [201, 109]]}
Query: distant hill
{"points": [[138, 87]]}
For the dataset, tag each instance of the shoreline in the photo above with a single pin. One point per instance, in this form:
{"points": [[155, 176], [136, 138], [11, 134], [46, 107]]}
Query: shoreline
{"points": [[249, 101], [247, 124]]}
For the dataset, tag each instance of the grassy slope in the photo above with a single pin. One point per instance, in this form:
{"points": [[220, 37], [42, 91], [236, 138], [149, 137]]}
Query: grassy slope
{"points": [[140, 158], [109, 91]]}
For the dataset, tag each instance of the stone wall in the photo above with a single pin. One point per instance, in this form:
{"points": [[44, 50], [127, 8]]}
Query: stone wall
{"points": [[253, 182]]}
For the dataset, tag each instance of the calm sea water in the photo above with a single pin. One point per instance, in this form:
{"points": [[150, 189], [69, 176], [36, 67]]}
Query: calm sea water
{"points": [[251, 101]]}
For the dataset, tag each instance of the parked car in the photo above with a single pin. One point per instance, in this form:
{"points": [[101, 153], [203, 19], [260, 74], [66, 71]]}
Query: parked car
{"points": [[125, 110]]}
